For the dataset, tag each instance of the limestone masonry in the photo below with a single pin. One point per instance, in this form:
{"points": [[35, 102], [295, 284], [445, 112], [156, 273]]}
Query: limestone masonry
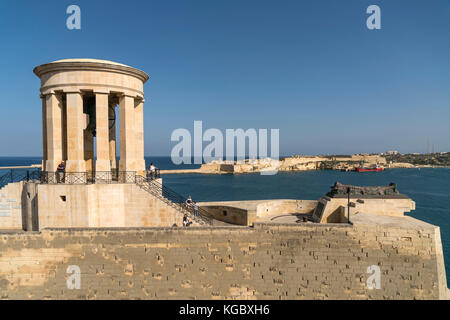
{"points": [[267, 261]]}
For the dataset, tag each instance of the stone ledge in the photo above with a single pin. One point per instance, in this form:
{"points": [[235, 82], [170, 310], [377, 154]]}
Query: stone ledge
{"points": [[385, 221]]}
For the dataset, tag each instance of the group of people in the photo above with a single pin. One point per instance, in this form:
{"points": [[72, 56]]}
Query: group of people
{"points": [[190, 204], [193, 204]]}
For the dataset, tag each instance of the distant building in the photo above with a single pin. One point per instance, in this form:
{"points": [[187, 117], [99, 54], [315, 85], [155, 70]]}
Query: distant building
{"points": [[392, 152]]}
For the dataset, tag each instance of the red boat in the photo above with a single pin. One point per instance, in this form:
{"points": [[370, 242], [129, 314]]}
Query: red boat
{"points": [[374, 168]]}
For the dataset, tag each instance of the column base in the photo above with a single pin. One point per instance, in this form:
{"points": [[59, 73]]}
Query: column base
{"points": [[113, 165], [127, 165], [75, 166], [102, 165], [102, 171], [51, 165], [140, 167]]}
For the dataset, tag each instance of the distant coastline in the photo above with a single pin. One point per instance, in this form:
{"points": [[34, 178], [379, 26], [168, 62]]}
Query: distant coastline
{"points": [[333, 162], [291, 163]]}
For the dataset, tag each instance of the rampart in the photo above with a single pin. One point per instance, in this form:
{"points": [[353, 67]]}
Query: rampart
{"points": [[378, 257]]}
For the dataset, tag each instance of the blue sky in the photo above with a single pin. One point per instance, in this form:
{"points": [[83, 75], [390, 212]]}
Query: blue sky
{"points": [[309, 68]]}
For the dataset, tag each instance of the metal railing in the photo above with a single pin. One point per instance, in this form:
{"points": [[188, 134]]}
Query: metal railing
{"points": [[147, 183], [17, 175], [174, 199], [91, 177], [153, 175]]}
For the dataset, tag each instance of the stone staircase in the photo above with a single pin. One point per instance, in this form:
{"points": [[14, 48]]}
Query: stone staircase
{"points": [[173, 199]]}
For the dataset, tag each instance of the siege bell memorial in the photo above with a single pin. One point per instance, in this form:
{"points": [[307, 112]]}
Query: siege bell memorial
{"points": [[79, 102]]}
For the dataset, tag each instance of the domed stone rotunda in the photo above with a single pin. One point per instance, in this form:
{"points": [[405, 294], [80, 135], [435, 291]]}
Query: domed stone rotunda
{"points": [[92, 111], [79, 102]]}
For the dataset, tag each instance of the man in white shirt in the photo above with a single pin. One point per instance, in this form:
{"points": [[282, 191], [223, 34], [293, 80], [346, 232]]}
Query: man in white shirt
{"points": [[152, 170]]}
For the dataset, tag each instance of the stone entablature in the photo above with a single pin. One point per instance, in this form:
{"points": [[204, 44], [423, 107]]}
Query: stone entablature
{"points": [[89, 74], [79, 99]]}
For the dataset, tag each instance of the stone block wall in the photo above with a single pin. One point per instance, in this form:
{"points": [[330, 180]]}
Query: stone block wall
{"points": [[11, 206], [284, 206], [228, 214], [103, 205], [267, 261]]}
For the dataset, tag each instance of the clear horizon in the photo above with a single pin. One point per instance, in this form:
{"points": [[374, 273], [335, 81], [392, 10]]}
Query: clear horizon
{"points": [[311, 69]]}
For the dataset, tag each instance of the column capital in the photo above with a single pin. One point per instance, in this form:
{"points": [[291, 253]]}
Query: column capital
{"points": [[72, 91], [133, 95], [46, 93], [101, 91], [126, 94]]}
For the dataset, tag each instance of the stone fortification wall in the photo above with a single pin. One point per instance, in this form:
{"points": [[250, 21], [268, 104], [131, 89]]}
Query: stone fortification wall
{"points": [[295, 163], [379, 257]]}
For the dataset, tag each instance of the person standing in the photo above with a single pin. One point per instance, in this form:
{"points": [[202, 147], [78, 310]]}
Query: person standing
{"points": [[195, 209], [152, 171], [60, 172]]}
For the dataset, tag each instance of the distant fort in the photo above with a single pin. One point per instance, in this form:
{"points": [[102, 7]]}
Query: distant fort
{"points": [[332, 162], [86, 227]]}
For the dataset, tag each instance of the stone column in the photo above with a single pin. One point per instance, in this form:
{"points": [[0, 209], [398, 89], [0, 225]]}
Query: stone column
{"points": [[112, 137], [88, 140], [64, 127], [127, 134], [139, 122], [53, 113], [44, 133], [101, 112], [75, 128]]}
